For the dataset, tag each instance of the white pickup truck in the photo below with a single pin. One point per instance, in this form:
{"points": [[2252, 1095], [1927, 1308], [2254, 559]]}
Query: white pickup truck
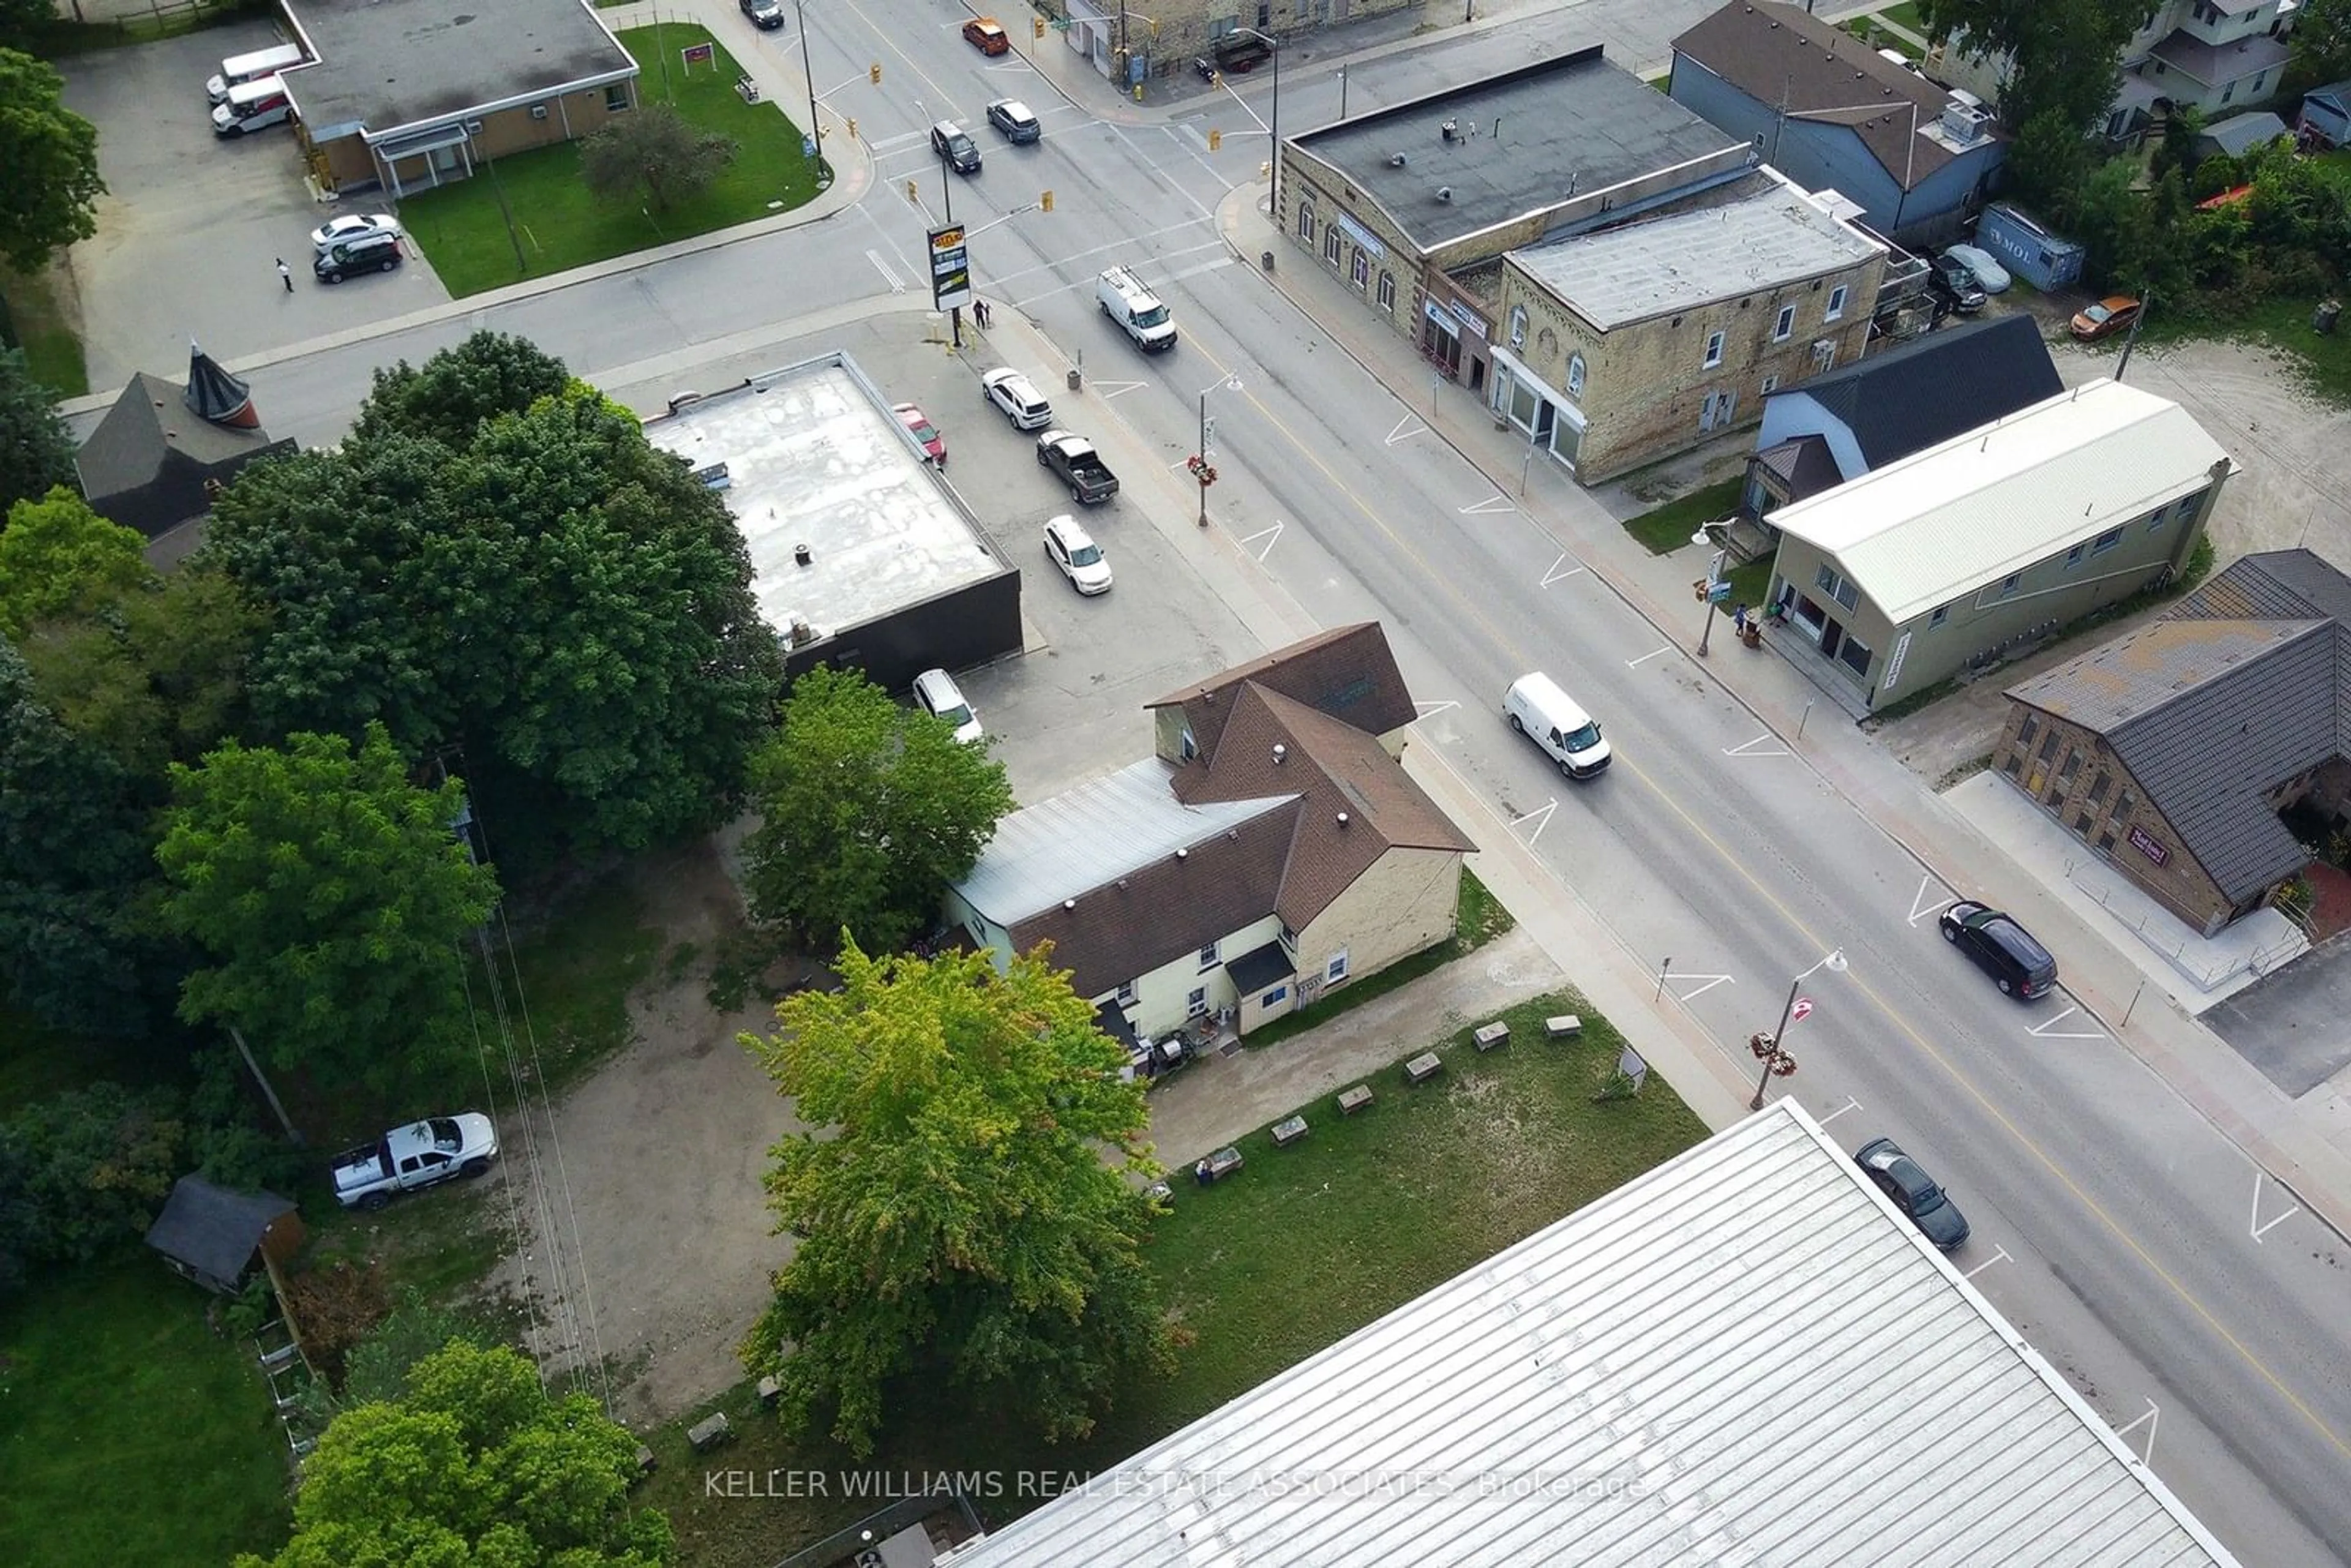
{"points": [[419, 1155], [1138, 312]]}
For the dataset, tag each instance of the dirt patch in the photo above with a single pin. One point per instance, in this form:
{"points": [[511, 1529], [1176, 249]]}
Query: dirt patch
{"points": [[648, 1247], [2330, 900]]}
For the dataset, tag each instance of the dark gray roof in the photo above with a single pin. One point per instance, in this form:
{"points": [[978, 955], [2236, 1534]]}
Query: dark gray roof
{"points": [[145, 464], [214, 1231], [381, 65], [1805, 465], [1937, 386], [2213, 63], [2336, 94], [1257, 969], [2239, 133], [2241, 685], [1543, 133]]}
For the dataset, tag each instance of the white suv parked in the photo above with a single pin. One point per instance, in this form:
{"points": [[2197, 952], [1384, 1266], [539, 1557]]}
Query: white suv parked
{"points": [[936, 692], [1018, 397]]}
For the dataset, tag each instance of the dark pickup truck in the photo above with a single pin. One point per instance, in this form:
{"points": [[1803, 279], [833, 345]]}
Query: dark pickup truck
{"points": [[1236, 52], [1073, 457]]}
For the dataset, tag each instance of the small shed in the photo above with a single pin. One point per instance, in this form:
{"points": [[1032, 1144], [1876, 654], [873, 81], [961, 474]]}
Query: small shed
{"points": [[2043, 259], [2239, 134], [212, 1235], [2327, 114]]}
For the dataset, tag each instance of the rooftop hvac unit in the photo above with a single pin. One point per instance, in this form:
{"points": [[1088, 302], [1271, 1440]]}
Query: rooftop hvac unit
{"points": [[1966, 125]]}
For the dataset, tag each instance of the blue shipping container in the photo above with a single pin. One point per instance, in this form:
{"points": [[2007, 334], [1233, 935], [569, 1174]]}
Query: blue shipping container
{"points": [[2028, 250]]}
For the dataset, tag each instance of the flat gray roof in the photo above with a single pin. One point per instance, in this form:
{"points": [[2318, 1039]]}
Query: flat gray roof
{"points": [[381, 65], [814, 455], [1669, 263], [1529, 140]]}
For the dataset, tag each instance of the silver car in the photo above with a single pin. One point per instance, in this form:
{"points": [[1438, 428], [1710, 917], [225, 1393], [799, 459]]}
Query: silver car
{"points": [[936, 692]]}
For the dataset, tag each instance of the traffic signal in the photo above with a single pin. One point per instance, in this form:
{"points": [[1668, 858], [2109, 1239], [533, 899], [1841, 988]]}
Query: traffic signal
{"points": [[1045, 201], [873, 72], [1036, 27], [852, 129], [913, 192], [1215, 78], [1216, 141]]}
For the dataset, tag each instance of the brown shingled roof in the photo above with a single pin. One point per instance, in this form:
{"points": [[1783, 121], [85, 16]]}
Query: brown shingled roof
{"points": [[1348, 672]]}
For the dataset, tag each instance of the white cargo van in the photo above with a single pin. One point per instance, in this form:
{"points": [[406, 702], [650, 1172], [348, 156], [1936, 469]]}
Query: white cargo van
{"points": [[252, 106], [1547, 716], [1135, 309], [239, 69]]}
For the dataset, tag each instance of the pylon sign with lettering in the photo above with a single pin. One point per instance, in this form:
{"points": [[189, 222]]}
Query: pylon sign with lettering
{"points": [[950, 269]]}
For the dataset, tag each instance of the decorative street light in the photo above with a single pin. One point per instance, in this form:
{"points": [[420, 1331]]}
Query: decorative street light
{"points": [[1706, 588], [1202, 469], [1274, 163], [1767, 1048]]}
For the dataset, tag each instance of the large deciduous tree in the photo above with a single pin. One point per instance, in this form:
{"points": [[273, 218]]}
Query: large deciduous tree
{"points": [[59, 558], [331, 895], [36, 450], [868, 813], [2063, 56], [964, 1208], [2322, 41], [474, 1464], [460, 389], [48, 165], [654, 154]]}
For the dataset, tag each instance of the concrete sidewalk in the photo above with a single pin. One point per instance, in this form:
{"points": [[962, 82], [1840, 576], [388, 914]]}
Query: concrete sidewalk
{"points": [[2302, 1142]]}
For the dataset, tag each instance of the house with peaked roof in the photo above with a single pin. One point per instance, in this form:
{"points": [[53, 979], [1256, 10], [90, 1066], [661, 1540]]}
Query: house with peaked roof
{"points": [[2326, 116], [1272, 850], [2171, 750], [1837, 426], [1958, 554], [1826, 110], [156, 461]]}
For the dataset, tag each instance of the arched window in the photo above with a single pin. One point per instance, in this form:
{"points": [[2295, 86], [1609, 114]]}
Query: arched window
{"points": [[1518, 325], [1575, 375]]}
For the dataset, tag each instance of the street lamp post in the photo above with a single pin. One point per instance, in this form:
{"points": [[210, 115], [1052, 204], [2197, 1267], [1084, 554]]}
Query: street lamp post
{"points": [[1275, 134], [1705, 590], [816, 136], [1201, 468], [1768, 1047]]}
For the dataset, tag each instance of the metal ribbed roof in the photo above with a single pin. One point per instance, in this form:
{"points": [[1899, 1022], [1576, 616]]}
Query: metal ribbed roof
{"points": [[1745, 1356], [1944, 522]]}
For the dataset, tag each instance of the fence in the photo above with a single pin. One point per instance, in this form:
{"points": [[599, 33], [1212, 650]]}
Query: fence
{"points": [[100, 23]]}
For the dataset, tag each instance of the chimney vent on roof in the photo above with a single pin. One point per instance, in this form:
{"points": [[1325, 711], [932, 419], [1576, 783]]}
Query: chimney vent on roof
{"points": [[1182, 854], [1279, 751], [1395, 160], [1068, 904], [1342, 819], [1449, 130], [801, 556], [1444, 193]]}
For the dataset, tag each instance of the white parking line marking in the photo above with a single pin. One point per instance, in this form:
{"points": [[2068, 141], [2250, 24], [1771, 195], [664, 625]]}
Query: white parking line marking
{"points": [[1554, 575], [1492, 506], [1269, 535], [1747, 747], [1919, 907], [1405, 429], [1850, 1104], [2051, 1031], [1430, 710], [1541, 817], [1697, 991], [1998, 1255], [2259, 1230], [1114, 389], [1636, 664], [2150, 1418], [897, 285]]}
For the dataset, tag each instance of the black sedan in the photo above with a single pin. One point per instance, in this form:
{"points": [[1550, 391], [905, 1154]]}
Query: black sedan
{"points": [[765, 15], [1914, 1192], [2019, 965]]}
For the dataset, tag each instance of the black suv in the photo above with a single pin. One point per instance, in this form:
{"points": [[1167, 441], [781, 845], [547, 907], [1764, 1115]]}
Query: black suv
{"points": [[2001, 948], [765, 15], [1955, 286], [950, 142], [368, 252]]}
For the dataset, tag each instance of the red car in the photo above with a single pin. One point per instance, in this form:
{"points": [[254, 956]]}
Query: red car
{"points": [[984, 34], [2113, 314], [927, 434]]}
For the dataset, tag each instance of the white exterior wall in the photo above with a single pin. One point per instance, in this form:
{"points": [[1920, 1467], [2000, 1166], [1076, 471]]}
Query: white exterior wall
{"points": [[1162, 997], [1405, 902]]}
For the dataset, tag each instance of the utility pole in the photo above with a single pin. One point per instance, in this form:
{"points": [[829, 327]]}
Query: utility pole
{"points": [[2130, 339]]}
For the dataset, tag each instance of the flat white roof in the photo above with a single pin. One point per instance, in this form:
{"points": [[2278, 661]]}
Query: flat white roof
{"points": [[1946, 521], [1744, 1357], [814, 455], [1096, 832], [1670, 263]]}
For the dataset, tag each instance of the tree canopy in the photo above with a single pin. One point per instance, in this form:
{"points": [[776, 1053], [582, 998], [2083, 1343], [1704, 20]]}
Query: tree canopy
{"points": [[2065, 56], [540, 587], [965, 1206], [2322, 41], [59, 558], [656, 154], [329, 894], [868, 812], [49, 183], [36, 450], [474, 1464]]}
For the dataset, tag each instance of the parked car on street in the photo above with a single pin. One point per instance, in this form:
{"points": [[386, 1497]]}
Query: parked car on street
{"points": [[1951, 282], [2001, 948], [1017, 397], [1073, 458], [420, 1155], [351, 226], [985, 35], [370, 252], [1073, 550], [2113, 314], [1983, 264], [1016, 120], [936, 692], [927, 434], [765, 15], [1914, 1192], [1539, 710]]}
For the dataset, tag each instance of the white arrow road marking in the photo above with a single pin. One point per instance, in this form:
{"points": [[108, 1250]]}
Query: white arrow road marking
{"points": [[1269, 535], [1998, 1255], [2051, 1031], [897, 285], [1540, 817], [1113, 389], [1491, 506], [2149, 1419], [1554, 574], [1695, 992], [1405, 429], [1644, 658], [1920, 908], [1747, 747], [2258, 1228], [1850, 1104]]}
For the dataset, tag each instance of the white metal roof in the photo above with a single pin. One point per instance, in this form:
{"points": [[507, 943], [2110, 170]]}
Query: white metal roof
{"points": [[1094, 833], [1941, 523], [1669, 263], [1745, 1356]]}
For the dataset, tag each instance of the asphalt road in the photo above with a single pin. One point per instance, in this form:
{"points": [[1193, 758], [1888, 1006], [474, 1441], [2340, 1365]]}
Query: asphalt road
{"points": [[2110, 1220]]}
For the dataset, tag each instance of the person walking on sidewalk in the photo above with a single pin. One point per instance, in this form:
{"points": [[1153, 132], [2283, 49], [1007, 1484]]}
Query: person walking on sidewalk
{"points": [[979, 313], [285, 275]]}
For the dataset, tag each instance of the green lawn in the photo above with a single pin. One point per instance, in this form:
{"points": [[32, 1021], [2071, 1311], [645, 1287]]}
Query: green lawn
{"points": [[1667, 529], [52, 353], [1304, 1246], [1478, 918], [132, 1433], [557, 225], [2323, 360], [1904, 15]]}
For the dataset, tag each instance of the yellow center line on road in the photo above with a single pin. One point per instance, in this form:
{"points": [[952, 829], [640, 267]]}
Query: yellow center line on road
{"points": [[1762, 890]]}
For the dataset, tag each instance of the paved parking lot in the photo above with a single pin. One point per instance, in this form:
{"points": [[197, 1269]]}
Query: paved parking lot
{"points": [[192, 225]]}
